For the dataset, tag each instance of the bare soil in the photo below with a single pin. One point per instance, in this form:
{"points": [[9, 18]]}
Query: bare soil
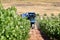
{"points": [[37, 7], [35, 35]]}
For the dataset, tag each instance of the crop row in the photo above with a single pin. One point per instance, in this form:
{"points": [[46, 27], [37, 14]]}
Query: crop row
{"points": [[12, 26], [50, 26]]}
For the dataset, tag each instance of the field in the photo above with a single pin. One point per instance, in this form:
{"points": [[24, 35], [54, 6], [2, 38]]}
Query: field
{"points": [[33, 6], [38, 6], [32, 0]]}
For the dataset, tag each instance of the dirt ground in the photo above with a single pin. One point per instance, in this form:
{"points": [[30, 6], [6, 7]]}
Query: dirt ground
{"points": [[35, 35], [37, 7]]}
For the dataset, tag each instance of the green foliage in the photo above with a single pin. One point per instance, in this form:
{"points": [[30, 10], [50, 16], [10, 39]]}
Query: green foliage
{"points": [[37, 14], [45, 14], [52, 14], [51, 26], [59, 15], [12, 26]]}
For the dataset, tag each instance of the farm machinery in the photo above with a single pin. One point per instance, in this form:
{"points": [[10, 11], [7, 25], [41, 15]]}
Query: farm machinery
{"points": [[30, 16]]}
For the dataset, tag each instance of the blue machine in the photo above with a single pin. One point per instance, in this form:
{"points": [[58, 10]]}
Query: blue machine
{"points": [[30, 16], [24, 15]]}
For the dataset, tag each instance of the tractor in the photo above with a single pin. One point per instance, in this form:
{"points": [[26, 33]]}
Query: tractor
{"points": [[31, 17]]}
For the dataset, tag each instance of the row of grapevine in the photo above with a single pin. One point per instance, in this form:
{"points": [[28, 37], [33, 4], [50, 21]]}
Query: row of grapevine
{"points": [[12, 26], [50, 25]]}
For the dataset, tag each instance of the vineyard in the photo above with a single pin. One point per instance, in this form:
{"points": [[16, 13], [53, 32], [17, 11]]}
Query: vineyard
{"points": [[50, 26], [12, 26]]}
